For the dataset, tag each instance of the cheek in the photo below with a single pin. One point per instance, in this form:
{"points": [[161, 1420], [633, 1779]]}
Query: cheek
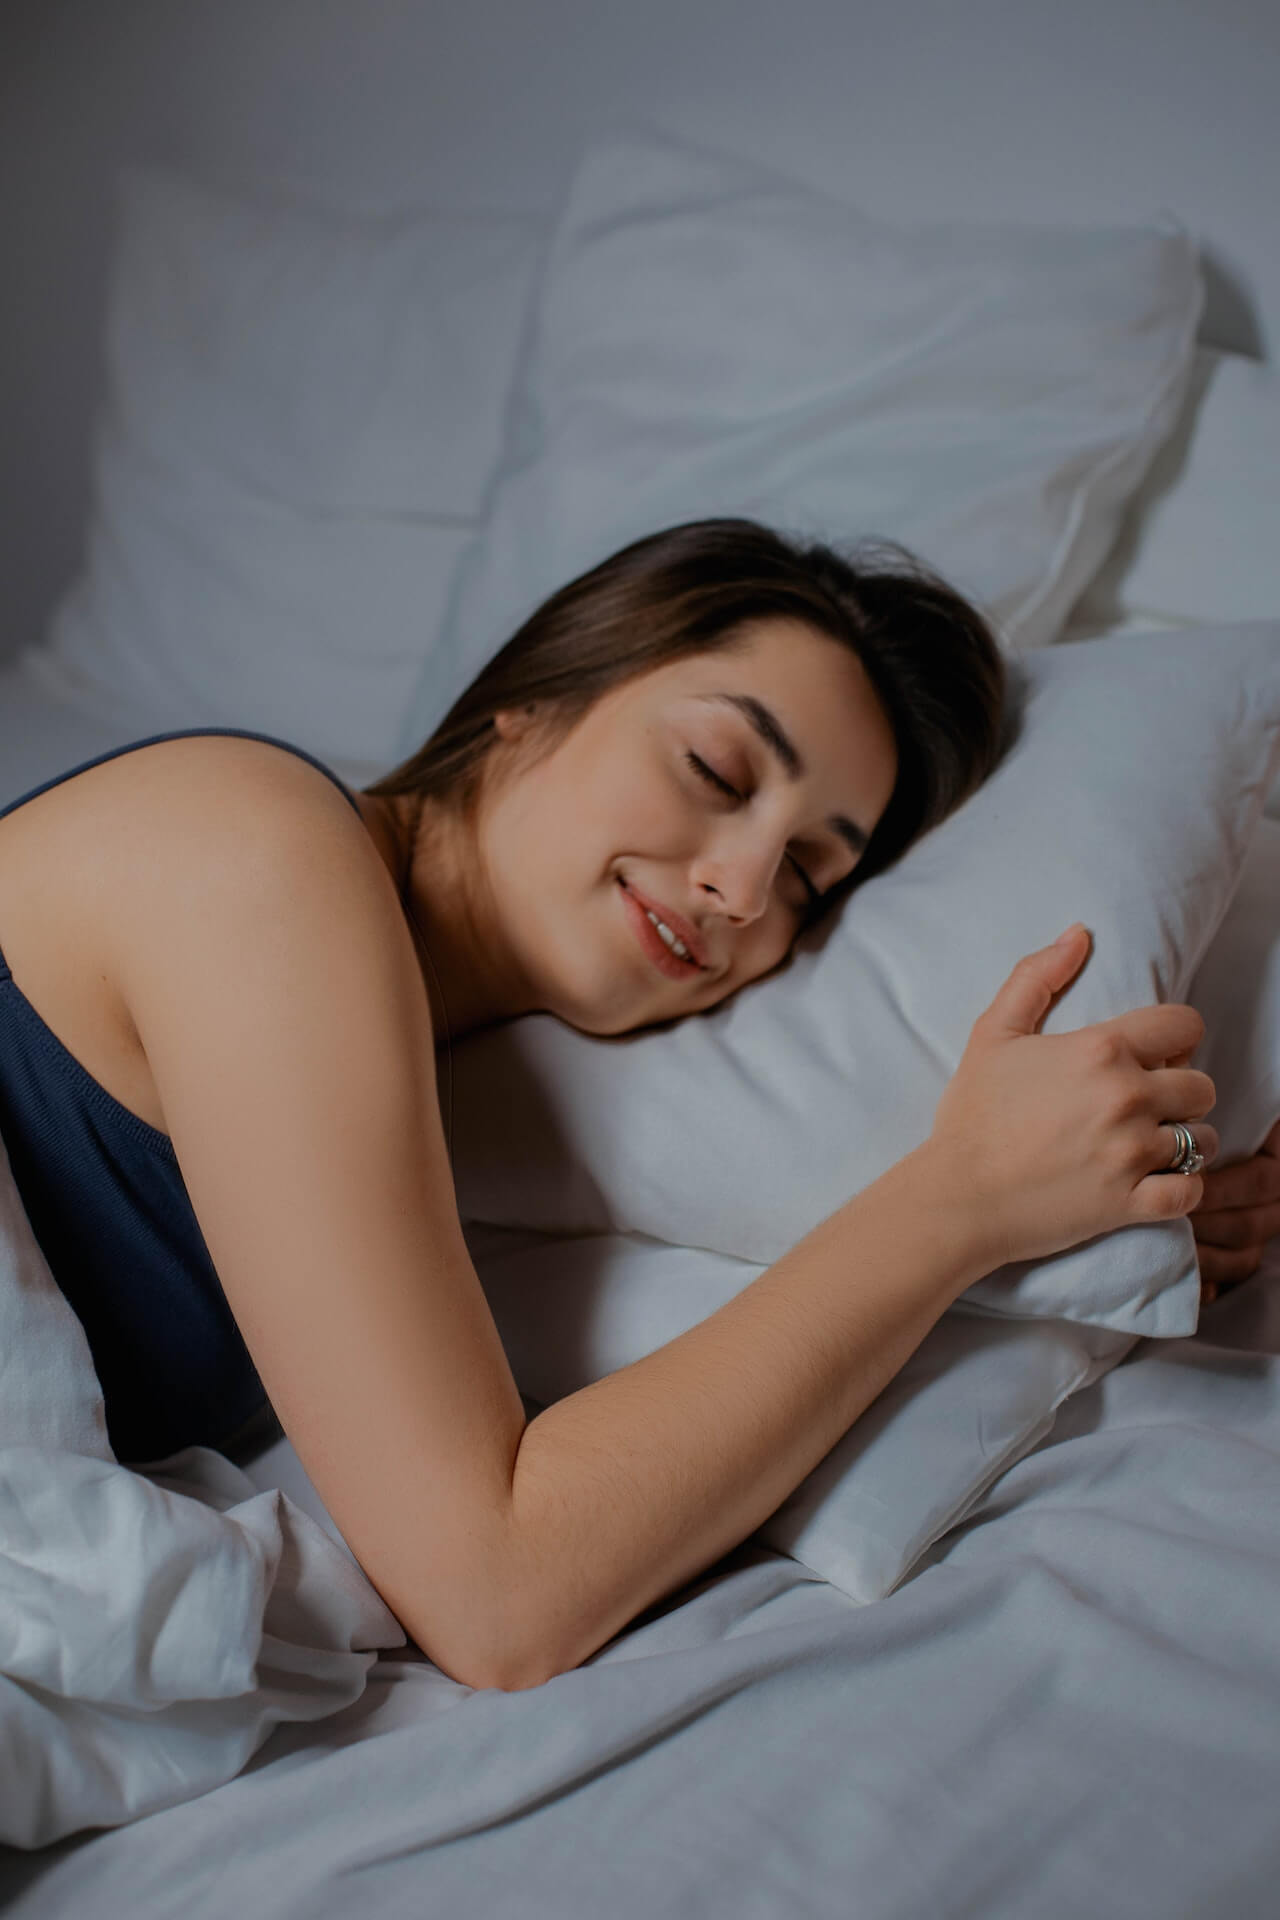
{"points": [[764, 950], [636, 787]]}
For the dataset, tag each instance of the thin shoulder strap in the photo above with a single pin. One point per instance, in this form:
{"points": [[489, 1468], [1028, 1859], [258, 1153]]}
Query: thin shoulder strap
{"points": [[185, 733]]}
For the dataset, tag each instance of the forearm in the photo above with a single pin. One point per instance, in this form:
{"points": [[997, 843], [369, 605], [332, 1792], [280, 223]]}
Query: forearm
{"points": [[629, 1488]]}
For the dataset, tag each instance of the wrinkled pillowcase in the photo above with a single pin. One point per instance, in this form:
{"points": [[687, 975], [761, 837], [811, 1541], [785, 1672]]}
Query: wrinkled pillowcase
{"points": [[304, 410], [712, 338], [1127, 800]]}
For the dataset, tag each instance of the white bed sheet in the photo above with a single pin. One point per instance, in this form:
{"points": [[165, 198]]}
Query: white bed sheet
{"points": [[1072, 1711]]}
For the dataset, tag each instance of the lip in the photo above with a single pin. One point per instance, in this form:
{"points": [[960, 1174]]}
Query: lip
{"points": [[639, 906]]}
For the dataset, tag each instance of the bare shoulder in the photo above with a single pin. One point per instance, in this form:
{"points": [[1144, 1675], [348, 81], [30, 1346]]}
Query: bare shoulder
{"points": [[201, 819], [98, 866], [219, 858], [215, 791], [199, 798]]}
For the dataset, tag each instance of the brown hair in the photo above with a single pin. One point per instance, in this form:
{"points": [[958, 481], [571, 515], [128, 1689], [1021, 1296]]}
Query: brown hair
{"points": [[930, 657]]}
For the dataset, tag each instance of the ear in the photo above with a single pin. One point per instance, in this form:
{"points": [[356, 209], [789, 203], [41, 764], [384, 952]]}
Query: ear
{"points": [[513, 723]]}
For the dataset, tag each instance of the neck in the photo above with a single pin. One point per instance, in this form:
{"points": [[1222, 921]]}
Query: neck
{"points": [[434, 857]]}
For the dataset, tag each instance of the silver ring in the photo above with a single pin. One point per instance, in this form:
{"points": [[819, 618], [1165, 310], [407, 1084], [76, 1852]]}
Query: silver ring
{"points": [[1188, 1158]]}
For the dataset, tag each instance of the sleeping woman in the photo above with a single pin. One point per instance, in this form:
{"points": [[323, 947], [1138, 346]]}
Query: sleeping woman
{"points": [[227, 981]]}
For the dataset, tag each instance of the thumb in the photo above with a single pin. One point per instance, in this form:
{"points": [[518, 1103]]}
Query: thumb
{"points": [[1029, 992]]}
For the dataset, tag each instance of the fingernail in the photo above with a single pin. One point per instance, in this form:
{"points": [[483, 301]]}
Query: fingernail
{"points": [[1064, 938]]}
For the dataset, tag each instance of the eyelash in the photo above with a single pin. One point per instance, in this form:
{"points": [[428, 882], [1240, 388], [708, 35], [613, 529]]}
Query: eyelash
{"points": [[713, 779]]}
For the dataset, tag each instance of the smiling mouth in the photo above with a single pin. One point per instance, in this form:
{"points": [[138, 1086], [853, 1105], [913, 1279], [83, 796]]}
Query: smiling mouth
{"points": [[663, 945]]}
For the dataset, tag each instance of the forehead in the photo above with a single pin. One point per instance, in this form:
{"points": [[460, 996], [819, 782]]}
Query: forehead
{"points": [[795, 661], [816, 688]]}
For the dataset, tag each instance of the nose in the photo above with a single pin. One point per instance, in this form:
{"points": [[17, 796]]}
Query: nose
{"points": [[738, 873]]}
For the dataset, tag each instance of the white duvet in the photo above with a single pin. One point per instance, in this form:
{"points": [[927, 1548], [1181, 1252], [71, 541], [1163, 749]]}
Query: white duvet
{"points": [[153, 1628]]}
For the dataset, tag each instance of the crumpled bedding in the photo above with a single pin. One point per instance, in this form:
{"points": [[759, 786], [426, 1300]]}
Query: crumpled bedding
{"points": [[154, 1629], [1072, 1709]]}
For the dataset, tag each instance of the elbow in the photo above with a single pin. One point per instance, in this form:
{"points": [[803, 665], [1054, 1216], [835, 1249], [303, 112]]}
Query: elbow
{"points": [[504, 1673], [499, 1662], [496, 1630]]}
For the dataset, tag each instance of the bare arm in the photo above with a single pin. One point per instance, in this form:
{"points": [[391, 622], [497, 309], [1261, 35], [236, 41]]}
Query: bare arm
{"points": [[261, 951], [626, 1489]]}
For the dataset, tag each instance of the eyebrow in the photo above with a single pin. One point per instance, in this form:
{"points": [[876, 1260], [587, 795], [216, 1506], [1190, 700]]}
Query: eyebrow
{"points": [[768, 727]]}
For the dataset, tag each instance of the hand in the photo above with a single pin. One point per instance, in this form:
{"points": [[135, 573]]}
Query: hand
{"points": [[1058, 1137], [1237, 1214]]}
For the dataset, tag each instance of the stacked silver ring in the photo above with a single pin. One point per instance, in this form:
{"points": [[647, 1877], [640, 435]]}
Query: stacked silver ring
{"points": [[1188, 1158]]}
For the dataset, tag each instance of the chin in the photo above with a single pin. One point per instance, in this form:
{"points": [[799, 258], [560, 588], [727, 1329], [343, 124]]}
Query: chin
{"points": [[606, 1013], [618, 1028], [605, 1023]]}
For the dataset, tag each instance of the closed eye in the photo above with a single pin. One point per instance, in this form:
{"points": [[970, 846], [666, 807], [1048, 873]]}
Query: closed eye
{"points": [[713, 779]]}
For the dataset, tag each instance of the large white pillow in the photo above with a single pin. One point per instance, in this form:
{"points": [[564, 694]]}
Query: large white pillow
{"points": [[714, 339], [303, 413], [978, 1393], [1127, 801]]}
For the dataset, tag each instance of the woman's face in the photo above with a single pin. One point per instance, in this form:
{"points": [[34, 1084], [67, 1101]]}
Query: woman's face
{"points": [[719, 796]]}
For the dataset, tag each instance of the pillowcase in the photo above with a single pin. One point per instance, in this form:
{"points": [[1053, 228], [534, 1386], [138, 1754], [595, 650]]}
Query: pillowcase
{"points": [[303, 413], [1198, 540], [1237, 989], [1127, 800], [977, 1395], [714, 339]]}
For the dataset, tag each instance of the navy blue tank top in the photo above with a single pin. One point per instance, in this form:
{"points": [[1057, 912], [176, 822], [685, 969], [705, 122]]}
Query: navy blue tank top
{"points": [[108, 1206]]}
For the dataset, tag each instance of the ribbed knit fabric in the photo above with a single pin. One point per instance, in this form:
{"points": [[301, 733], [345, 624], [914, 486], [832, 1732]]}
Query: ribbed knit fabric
{"points": [[107, 1204]]}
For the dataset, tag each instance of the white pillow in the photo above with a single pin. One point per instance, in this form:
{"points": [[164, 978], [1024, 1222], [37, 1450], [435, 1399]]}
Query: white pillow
{"points": [[1237, 989], [303, 413], [1198, 542], [1127, 801], [978, 1393], [713, 339]]}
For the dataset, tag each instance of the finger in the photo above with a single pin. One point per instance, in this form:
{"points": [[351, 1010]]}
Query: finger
{"points": [[1169, 1146], [1238, 1227], [1034, 984], [1227, 1269], [1166, 1196], [1181, 1093], [1272, 1142], [1157, 1034], [1243, 1183]]}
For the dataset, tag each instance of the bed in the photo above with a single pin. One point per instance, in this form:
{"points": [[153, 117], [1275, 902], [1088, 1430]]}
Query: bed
{"points": [[1014, 1653]]}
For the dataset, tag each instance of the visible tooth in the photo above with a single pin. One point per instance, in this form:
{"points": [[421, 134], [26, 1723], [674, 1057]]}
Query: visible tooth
{"points": [[665, 933]]}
